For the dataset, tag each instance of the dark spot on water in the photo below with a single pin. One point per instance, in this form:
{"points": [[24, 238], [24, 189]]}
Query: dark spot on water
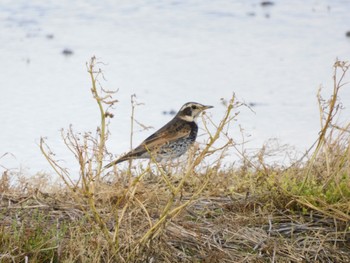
{"points": [[49, 36], [267, 3], [252, 104], [256, 104], [170, 112], [347, 34], [67, 52], [26, 60]]}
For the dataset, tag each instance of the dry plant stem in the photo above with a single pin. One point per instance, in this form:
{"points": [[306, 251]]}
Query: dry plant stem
{"points": [[82, 154], [128, 195], [59, 171], [86, 192], [131, 132], [133, 183], [230, 141], [98, 99], [168, 212], [337, 84], [216, 136], [340, 214], [101, 146], [328, 123], [99, 220], [332, 111]]}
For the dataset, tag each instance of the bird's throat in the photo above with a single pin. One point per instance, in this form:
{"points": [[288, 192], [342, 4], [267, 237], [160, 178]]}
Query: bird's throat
{"points": [[187, 118]]}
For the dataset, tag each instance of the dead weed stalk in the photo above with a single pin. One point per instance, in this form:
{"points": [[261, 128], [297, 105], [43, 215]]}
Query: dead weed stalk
{"points": [[325, 176]]}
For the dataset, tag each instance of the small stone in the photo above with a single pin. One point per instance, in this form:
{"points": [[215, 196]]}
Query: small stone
{"points": [[67, 52], [267, 3], [252, 104]]}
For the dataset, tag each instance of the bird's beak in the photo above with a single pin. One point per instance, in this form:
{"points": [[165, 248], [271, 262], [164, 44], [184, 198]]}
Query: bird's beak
{"points": [[207, 107]]}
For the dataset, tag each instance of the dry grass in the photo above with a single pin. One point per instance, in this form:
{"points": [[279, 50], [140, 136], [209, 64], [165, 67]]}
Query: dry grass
{"points": [[218, 226], [256, 212]]}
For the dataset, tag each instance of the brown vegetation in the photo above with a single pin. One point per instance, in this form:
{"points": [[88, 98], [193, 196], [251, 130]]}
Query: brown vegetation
{"points": [[203, 212]]}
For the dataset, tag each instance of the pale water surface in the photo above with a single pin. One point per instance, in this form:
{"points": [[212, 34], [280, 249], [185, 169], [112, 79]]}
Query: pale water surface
{"points": [[167, 53]]}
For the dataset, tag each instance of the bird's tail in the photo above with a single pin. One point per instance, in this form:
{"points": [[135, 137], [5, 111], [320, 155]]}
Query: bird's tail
{"points": [[115, 162], [135, 154], [128, 156], [110, 164]]}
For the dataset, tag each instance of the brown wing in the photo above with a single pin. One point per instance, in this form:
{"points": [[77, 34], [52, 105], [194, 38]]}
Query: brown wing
{"points": [[172, 131]]}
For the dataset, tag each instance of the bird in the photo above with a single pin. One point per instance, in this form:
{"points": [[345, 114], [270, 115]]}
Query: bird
{"points": [[170, 141]]}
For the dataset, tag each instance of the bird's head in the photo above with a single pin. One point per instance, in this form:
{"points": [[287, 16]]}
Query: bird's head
{"points": [[191, 110]]}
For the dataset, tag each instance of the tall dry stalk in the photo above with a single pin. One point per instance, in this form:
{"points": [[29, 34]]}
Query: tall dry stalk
{"points": [[88, 150], [329, 111], [322, 182]]}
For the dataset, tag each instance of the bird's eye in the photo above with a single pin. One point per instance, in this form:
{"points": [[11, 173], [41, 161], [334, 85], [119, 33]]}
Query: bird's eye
{"points": [[194, 107]]}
